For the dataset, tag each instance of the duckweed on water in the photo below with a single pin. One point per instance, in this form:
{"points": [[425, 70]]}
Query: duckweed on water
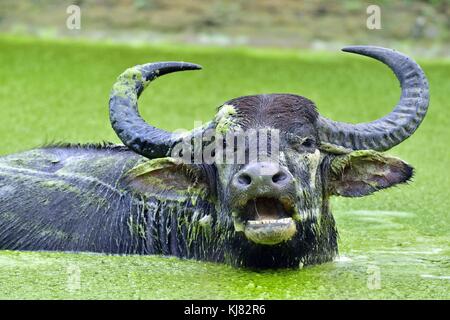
{"points": [[395, 265], [55, 275]]}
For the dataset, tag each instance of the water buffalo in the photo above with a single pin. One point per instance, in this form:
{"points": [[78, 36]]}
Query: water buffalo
{"points": [[140, 198]]}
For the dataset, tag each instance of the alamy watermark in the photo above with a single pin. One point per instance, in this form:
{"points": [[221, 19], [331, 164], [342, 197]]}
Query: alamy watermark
{"points": [[373, 21], [373, 277], [73, 272], [73, 21], [236, 146]]}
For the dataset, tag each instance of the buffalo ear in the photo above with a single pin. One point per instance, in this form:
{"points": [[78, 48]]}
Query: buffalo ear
{"points": [[363, 172], [169, 178]]}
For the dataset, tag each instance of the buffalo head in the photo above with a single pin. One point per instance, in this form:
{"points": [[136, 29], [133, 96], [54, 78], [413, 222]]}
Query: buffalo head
{"points": [[275, 211]]}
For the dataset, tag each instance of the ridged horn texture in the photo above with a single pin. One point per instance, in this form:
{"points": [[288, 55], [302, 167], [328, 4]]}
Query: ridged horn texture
{"points": [[386, 132], [134, 132]]}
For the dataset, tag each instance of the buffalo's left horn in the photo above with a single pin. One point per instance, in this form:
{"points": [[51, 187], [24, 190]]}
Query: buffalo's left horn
{"points": [[386, 132], [134, 132]]}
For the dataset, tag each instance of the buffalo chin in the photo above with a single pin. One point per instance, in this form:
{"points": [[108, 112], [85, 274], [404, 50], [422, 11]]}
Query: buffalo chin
{"points": [[266, 221]]}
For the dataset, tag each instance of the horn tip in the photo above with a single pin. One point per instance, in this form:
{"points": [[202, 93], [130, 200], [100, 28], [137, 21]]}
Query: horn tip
{"points": [[368, 50], [191, 66], [356, 49]]}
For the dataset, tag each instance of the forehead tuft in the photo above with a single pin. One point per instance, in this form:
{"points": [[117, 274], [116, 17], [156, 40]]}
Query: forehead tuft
{"points": [[281, 111]]}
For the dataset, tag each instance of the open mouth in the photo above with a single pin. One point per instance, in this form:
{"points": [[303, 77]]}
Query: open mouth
{"points": [[266, 221]]}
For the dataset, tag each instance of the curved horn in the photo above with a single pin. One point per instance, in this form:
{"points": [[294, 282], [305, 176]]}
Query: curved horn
{"points": [[386, 132], [134, 132]]}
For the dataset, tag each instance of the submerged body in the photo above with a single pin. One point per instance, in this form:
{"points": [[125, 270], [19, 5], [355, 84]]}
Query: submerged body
{"points": [[76, 198], [71, 196]]}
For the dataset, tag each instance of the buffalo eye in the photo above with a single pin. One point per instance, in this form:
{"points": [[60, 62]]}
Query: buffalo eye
{"points": [[306, 144]]}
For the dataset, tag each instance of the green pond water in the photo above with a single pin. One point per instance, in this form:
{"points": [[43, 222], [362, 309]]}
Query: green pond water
{"points": [[387, 261]]}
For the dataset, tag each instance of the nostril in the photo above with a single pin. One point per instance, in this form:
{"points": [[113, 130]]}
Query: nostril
{"points": [[279, 177], [245, 179]]}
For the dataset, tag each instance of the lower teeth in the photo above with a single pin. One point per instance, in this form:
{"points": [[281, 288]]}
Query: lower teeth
{"points": [[267, 221]]}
